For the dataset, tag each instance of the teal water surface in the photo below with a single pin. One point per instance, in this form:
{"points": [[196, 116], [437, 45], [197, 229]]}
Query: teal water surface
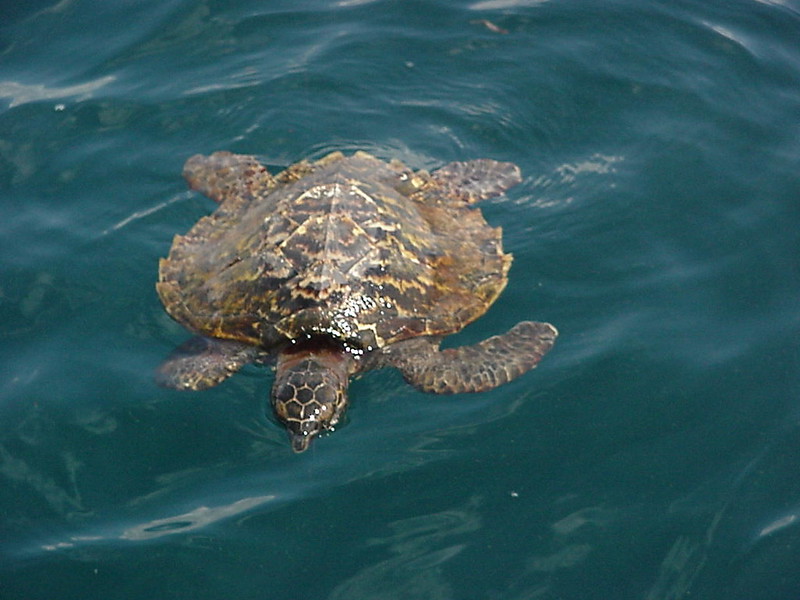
{"points": [[653, 455]]}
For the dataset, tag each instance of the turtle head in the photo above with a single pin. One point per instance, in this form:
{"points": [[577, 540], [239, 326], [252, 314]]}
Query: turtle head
{"points": [[309, 395]]}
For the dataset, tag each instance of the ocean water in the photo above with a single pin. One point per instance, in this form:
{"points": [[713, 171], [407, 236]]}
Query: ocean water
{"points": [[653, 455]]}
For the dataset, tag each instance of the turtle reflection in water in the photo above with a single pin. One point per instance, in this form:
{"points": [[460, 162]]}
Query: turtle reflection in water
{"points": [[335, 267]]}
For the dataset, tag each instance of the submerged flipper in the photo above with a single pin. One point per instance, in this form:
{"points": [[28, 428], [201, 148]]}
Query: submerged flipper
{"points": [[477, 179], [486, 365], [224, 175], [203, 362]]}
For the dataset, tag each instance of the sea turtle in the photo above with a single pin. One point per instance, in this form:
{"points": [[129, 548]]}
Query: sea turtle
{"points": [[335, 267]]}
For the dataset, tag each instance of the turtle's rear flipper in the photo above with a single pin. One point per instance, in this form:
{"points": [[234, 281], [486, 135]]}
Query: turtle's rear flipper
{"points": [[224, 176], [477, 179], [477, 368], [203, 362]]}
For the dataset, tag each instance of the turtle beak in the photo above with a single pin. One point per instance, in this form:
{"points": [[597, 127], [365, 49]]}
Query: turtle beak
{"points": [[302, 433], [300, 441]]}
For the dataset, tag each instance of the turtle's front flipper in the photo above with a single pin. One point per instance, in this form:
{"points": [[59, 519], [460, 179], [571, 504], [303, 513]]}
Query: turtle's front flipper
{"points": [[225, 175], [203, 362], [477, 368]]}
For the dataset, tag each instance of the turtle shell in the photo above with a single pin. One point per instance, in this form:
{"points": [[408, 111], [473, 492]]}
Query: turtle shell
{"points": [[364, 251]]}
